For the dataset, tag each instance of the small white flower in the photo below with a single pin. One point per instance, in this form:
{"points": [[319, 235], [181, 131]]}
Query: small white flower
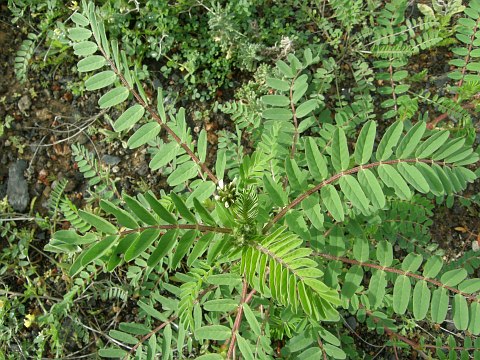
{"points": [[226, 204], [220, 184]]}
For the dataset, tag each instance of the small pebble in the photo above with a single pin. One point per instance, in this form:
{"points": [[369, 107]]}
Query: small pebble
{"points": [[24, 103]]}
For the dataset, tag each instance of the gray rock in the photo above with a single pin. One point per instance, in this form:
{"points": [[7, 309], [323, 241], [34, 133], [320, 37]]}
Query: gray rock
{"points": [[17, 188], [24, 103], [110, 160]]}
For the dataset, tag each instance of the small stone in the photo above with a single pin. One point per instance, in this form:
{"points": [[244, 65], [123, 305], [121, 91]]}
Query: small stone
{"points": [[43, 115], [24, 103], [17, 188], [110, 160], [81, 139]]}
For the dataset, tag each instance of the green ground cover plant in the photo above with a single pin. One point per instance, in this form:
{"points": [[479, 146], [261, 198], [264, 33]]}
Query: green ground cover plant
{"points": [[314, 208]]}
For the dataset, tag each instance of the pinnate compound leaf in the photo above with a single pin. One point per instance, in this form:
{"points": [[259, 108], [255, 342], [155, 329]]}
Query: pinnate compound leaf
{"points": [[412, 262], [421, 300], [454, 277], [123, 217], [376, 290], [143, 135], [213, 332], [414, 177], [244, 347], [474, 325], [183, 173], [385, 253], [460, 312], [401, 294], [202, 145], [99, 223], [447, 149], [392, 179], [340, 155], [411, 140], [315, 160], [79, 34], [389, 140], [252, 320], [85, 48], [184, 244], [98, 249], [277, 114], [182, 208], [146, 238], [113, 97], [164, 155], [278, 196], [439, 306], [200, 247], [332, 202], [276, 100], [91, 63], [364, 146], [432, 267], [372, 188], [139, 210], [159, 209], [129, 118], [432, 144], [353, 192], [165, 245], [112, 353], [353, 278], [100, 80], [306, 108], [79, 19], [431, 178], [278, 84], [361, 249], [469, 286], [71, 237]]}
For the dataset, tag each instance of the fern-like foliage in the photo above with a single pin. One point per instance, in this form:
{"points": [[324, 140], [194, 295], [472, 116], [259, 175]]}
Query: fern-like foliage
{"points": [[292, 277], [98, 178], [70, 212], [468, 50], [56, 197], [244, 115], [297, 226], [24, 55]]}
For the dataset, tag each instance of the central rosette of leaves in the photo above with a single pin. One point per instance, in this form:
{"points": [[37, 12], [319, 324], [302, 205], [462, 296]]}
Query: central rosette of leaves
{"points": [[244, 205]]}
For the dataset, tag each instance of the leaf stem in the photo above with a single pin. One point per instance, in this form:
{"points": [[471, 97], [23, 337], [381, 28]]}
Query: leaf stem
{"points": [[157, 117], [203, 228], [437, 283], [335, 177], [238, 320]]}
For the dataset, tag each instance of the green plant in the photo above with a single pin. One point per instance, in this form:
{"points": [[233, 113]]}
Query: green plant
{"points": [[42, 17], [296, 234]]}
